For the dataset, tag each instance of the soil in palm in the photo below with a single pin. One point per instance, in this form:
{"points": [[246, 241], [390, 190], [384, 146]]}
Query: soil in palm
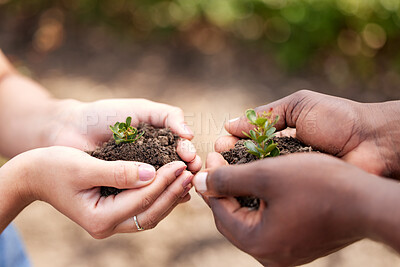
{"points": [[157, 147], [239, 155]]}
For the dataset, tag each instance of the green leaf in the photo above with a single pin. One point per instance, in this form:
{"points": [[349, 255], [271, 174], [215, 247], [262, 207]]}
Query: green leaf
{"points": [[121, 126], [270, 148], [261, 139], [260, 121], [251, 115], [251, 146], [253, 135], [128, 121], [270, 131], [117, 139], [260, 150], [246, 134], [130, 131], [274, 152], [266, 125], [115, 131], [276, 120], [258, 155]]}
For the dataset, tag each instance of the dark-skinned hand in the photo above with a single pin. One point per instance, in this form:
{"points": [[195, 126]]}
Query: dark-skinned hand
{"points": [[364, 134], [311, 205]]}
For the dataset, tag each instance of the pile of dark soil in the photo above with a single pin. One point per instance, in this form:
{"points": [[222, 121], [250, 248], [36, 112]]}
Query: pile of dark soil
{"points": [[239, 155], [157, 147]]}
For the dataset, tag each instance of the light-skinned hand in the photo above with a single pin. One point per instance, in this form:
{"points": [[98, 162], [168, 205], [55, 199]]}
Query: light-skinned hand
{"points": [[70, 180]]}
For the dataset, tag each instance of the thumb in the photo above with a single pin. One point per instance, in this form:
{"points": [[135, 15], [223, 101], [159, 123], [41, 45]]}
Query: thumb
{"points": [[174, 118], [282, 108], [240, 180], [118, 174]]}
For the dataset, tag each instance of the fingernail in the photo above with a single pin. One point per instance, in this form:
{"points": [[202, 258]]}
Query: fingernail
{"points": [[187, 129], [200, 182], [187, 189], [233, 120], [187, 181], [146, 172], [188, 146], [180, 170]]}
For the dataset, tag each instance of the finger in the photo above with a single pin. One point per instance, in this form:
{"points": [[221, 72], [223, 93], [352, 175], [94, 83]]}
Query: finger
{"points": [[185, 198], [186, 150], [129, 225], [119, 174], [195, 165], [280, 108], [175, 121], [215, 160], [170, 198], [141, 110], [135, 201], [238, 180], [234, 222], [289, 132], [225, 143], [162, 115]]}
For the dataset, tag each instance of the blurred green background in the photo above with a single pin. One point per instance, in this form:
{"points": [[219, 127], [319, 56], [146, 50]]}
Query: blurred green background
{"points": [[299, 33]]}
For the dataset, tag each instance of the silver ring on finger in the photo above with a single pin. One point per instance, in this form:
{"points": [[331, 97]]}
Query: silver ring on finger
{"points": [[139, 228]]}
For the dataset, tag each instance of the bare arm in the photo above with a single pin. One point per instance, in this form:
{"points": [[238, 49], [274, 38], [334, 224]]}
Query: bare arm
{"points": [[70, 180], [25, 111], [31, 118], [381, 212]]}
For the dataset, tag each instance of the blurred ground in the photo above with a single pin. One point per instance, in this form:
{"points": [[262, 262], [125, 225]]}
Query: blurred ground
{"points": [[210, 89]]}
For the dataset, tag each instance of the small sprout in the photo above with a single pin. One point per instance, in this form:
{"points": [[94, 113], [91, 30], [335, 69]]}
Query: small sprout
{"points": [[263, 145], [123, 132]]}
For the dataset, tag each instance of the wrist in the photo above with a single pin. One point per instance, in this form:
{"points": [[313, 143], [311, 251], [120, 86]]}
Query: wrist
{"points": [[22, 99], [379, 213], [14, 189], [59, 118], [382, 130]]}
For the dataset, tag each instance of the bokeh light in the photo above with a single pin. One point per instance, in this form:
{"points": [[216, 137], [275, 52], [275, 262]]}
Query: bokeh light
{"points": [[295, 31]]}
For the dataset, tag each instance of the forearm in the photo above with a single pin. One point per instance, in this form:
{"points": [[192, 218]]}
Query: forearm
{"points": [[13, 191], [381, 212], [25, 109]]}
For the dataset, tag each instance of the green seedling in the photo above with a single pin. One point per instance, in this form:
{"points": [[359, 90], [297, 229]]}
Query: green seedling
{"points": [[123, 132], [263, 145]]}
